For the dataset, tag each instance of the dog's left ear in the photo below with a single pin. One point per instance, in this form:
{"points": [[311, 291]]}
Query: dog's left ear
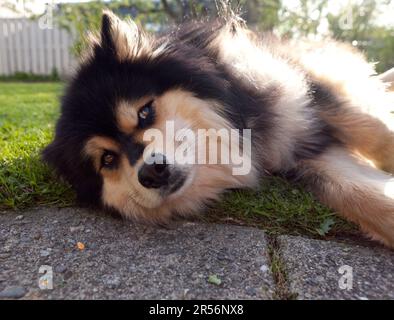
{"points": [[123, 40]]}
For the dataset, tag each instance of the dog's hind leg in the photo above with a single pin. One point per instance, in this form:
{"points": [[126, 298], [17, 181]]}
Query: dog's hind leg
{"points": [[351, 187], [367, 132], [355, 103]]}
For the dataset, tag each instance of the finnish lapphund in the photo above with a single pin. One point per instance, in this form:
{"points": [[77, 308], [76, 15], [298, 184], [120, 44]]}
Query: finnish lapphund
{"points": [[315, 111]]}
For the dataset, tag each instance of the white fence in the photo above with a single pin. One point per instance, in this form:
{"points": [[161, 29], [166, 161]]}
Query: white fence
{"points": [[25, 47]]}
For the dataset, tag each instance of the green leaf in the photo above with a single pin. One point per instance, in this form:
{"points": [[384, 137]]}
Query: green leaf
{"points": [[214, 280], [325, 226]]}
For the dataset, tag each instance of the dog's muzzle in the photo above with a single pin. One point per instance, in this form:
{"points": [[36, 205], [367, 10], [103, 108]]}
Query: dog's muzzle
{"points": [[156, 173]]}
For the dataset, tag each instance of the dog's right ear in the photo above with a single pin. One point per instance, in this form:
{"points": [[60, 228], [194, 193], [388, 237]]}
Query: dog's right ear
{"points": [[111, 26], [119, 39]]}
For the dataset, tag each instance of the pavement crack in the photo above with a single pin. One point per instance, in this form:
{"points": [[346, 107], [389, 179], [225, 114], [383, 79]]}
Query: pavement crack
{"points": [[278, 269]]}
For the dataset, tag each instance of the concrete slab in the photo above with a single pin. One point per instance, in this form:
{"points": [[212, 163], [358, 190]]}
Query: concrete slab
{"points": [[332, 270], [99, 257]]}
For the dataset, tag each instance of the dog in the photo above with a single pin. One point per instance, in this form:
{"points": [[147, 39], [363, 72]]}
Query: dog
{"points": [[315, 111]]}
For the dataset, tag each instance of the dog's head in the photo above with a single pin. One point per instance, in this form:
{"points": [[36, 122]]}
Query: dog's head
{"points": [[133, 97]]}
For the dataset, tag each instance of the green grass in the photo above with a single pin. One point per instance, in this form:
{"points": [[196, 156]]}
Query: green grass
{"points": [[27, 116], [281, 207]]}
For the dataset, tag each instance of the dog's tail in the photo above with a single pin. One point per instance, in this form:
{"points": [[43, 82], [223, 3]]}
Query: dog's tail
{"points": [[358, 191]]}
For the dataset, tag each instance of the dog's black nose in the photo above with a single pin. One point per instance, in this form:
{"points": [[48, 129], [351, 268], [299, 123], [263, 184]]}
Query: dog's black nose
{"points": [[156, 174]]}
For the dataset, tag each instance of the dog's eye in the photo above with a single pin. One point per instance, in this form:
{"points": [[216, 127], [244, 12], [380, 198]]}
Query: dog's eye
{"points": [[145, 112], [108, 159], [146, 115]]}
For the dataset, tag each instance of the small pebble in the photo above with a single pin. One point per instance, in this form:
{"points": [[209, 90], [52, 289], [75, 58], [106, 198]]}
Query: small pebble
{"points": [[60, 268], [80, 246], [75, 229], [12, 293], [45, 253], [20, 217], [37, 236], [250, 291], [112, 282], [264, 268]]}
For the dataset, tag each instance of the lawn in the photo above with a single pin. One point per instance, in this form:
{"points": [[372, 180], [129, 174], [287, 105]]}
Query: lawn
{"points": [[27, 116]]}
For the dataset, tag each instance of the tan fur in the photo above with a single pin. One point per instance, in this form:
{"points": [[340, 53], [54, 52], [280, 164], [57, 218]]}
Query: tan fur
{"points": [[359, 192], [364, 121], [127, 114], [125, 193], [95, 147]]}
